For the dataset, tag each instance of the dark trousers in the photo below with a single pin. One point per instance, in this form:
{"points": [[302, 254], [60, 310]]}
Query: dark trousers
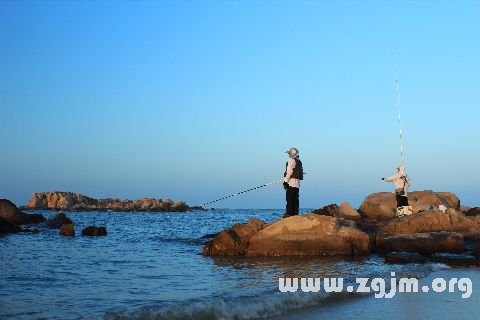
{"points": [[402, 200], [292, 200]]}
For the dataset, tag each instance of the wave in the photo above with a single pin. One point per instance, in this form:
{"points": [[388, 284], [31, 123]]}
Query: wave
{"points": [[241, 308]]}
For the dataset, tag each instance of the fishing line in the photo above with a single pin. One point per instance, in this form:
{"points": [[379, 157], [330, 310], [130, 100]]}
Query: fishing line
{"points": [[242, 192]]}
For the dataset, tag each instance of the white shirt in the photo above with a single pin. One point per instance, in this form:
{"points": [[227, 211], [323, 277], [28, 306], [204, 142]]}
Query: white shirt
{"points": [[292, 182]]}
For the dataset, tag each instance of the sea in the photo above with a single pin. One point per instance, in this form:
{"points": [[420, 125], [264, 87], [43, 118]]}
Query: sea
{"points": [[150, 266]]}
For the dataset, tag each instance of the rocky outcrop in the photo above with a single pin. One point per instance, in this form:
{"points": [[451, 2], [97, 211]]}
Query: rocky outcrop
{"points": [[67, 230], [10, 213], [424, 243], [305, 235], [70, 201], [433, 221], [233, 241], [382, 205], [94, 231]]}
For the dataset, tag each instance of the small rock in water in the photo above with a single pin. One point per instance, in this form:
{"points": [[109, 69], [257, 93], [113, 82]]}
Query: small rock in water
{"points": [[67, 230], [58, 221], [94, 231], [457, 260], [404, 257]]}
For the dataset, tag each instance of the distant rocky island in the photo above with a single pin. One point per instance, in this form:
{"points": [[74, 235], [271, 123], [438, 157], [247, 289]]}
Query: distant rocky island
{"points": [[69, 201]]}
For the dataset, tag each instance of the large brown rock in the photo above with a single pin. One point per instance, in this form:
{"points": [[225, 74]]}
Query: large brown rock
{"points": [[425, 243], [382, 205], [433, 221], [10, 212], [308, 235], [233, 241]]}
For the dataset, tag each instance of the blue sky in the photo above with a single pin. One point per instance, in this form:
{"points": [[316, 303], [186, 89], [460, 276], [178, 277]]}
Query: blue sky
{"points": [[194, 100]]}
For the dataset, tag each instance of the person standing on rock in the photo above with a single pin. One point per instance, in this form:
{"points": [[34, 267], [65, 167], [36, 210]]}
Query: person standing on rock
{"points": [[401, 186], [291, 182]]}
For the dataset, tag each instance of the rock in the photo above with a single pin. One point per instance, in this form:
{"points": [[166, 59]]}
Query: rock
{"points": [[70, 201], [473, 212], [455, 260], [330, 211], [67, 230], [10, 212], [58, 221], [425, 243], [234, 241], [209, 235], [382, 205], [464, 209], [345, 210], [404, 257], [179, 206], [94, 231], [432, 221], [308, 235], [59, 200], [7, 227]]}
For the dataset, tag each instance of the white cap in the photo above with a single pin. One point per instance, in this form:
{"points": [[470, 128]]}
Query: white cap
{"points": [[292, 152]]}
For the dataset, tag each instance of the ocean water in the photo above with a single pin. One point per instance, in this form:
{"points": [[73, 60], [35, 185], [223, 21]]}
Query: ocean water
{"points": [[150, 266]]}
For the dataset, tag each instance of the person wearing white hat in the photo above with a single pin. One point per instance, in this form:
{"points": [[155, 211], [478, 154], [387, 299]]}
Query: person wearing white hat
{"points": [[291, 182], [402, 182]]}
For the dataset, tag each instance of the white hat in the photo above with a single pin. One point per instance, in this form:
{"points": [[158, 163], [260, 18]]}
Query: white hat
{"points": [[292, 152]]}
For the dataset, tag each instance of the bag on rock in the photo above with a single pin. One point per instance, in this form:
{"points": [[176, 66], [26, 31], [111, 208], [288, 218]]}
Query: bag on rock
{"points": [[404, 211]]}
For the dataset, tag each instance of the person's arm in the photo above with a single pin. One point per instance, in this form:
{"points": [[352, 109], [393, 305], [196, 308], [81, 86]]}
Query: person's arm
{"points": [[290, 166], [393, 178]]}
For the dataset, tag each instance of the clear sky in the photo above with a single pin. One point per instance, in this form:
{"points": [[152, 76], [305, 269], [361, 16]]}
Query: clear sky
{"points": [[194, 100]]}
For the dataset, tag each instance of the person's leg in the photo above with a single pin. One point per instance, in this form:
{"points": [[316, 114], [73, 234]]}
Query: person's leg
{"points": [[398, 197], [290, 201], [403, 201], [297, 200]]}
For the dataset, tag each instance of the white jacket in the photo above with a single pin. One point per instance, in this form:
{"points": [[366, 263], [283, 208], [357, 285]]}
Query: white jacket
{"points": [[292, 182], [400, 183]]}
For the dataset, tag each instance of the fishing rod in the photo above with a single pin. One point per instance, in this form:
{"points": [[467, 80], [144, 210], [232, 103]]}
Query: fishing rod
{"points": [[245, 191], [397, 87]]}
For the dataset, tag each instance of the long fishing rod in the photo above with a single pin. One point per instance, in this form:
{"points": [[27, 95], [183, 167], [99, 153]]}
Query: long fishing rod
{"points": [[245, 191], [397, 86]]}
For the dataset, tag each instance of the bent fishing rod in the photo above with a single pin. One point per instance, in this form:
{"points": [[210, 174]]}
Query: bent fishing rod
{"points": [[245, 191]]}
